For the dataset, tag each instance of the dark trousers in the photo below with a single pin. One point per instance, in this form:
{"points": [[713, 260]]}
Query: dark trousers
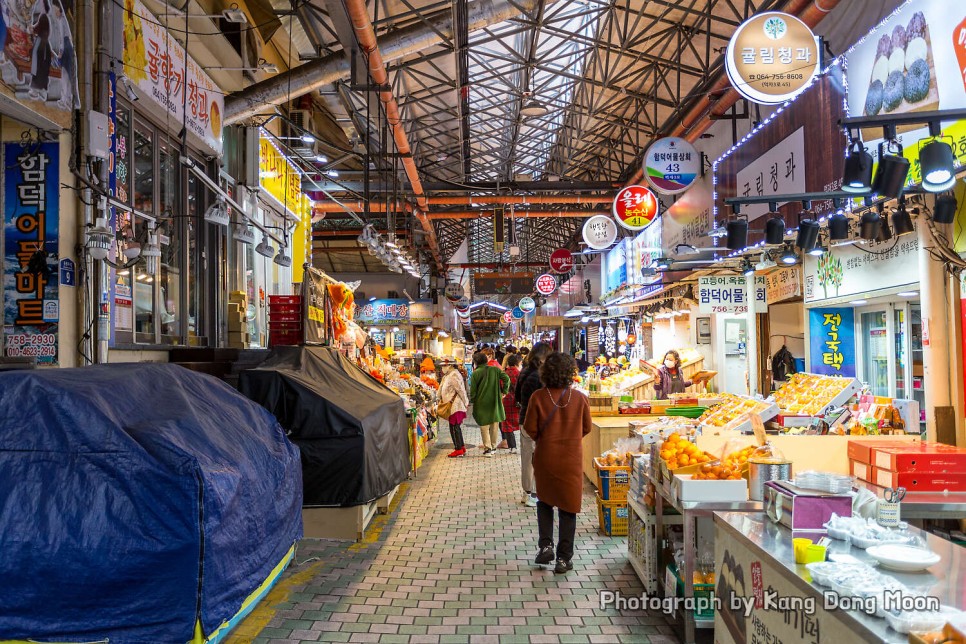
{"points": [[456, 432], [510, 438], [567, 530]]}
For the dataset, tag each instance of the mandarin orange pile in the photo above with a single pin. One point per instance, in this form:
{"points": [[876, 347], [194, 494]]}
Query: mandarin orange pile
{"points": [[736, 459], [710, 472], [678, 452]]}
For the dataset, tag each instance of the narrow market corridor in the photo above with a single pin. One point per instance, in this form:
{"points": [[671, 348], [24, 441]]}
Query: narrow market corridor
{"points": [[452, 562]]}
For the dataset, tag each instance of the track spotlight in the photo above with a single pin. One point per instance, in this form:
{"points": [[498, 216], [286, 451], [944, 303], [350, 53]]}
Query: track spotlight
{"points": [[869, 225], [775, 230], [662, 263], [747, 268], [890, 176], [282, 259], [737, 234], [808, 231], [885, 232], [817, 250], [944, 211], [902, 221], [938, 166], [789, 256], [858, 169], [264, 248], [838, 226]]}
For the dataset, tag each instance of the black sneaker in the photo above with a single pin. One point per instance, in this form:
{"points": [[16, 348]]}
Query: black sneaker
{"points": [[563, 566], [545, 556]]}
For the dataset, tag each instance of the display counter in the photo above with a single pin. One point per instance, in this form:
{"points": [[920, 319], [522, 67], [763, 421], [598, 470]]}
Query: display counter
{"points": [[925, 505], [754, 557]]}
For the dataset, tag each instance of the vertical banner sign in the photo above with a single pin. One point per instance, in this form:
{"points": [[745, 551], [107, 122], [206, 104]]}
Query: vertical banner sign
{"points": [[114, 158], [313, 305], [832, 341], [31, 218]]}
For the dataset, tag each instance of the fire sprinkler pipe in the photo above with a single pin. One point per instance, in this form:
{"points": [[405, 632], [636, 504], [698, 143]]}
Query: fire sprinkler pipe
{"points": [[699, 118], [519, 214], [380, 206]]}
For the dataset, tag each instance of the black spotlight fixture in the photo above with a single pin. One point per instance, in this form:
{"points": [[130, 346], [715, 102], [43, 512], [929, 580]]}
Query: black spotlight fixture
{"points": [[662, 263], [808, 230], [747, 268], [858, 169], [817, 250], [774, 227], [788, 256], [944, 211], [938, 165], [869, 225], [890, 176], [885, 232], [902, 220], [737, 234], [838, 226]]}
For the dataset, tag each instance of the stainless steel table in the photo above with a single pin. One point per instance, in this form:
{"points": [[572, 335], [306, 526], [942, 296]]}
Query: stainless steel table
{"points": [[750, 550], [926, 505]]}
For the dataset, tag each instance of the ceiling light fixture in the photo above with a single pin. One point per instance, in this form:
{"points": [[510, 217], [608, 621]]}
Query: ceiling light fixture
{"points": [[838, 226], [890, 176], [944, 210], [532, 108], [902, 220], [858, 169], [789, 256], [869, 225], [737, 234], [775, 229], [264, 248]]}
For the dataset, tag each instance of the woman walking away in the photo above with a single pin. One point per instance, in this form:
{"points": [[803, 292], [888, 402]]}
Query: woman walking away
{"points": [[670, 378], [512, 422], [488, 385], [558, 418], [452, 390], [527, 383]]}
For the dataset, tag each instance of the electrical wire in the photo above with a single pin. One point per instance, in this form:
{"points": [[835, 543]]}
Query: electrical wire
{"points": [[185, 16]]}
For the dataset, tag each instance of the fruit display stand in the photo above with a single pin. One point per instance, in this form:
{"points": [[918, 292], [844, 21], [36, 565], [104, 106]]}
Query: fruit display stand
{"points": [[805, 397], [730, 414]]}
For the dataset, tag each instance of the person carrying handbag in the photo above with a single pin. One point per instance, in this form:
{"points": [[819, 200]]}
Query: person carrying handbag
{"points": [[557, 419], [453, 404]]}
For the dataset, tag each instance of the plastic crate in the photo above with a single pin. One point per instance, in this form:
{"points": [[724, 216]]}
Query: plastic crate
{"points": [[285, 316], [703, 609], [284, 338], [284, 299], [613, 481], [613, 517]]}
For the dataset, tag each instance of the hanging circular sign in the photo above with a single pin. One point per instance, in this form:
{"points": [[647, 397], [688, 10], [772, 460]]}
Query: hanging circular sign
{"points": [[517, 313], [635, 207], [527, 304], [507, 316], [561, 261], [599, 232], [453, 292], [671, 165], [463, 304], [546, 284], [772, 57]]}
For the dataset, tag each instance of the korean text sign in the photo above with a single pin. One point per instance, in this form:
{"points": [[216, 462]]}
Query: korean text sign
{"points": [[394, 311], [729, 294], [31, 308], [832, 341]]}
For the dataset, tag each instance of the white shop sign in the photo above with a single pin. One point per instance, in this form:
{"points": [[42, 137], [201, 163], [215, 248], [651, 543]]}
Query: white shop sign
{"points": [[783, 284], [728, 294], [779, 171], [851, 270]]}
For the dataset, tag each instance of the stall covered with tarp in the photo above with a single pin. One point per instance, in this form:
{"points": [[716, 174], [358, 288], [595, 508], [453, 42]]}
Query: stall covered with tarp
{"points": [[138, 503], [352, 432]]}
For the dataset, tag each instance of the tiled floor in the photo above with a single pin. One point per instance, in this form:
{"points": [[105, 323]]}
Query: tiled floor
{"points": [[453, 563]]}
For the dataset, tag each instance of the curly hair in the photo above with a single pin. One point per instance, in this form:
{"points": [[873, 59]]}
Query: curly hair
{"points": [[538, 354], [558, 371]]}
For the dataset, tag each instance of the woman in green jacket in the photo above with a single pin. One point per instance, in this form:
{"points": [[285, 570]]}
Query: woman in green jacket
{"points": [[488, 385]]}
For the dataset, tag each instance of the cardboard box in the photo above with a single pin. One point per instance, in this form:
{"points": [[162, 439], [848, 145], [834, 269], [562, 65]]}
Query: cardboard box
{"points": [[685, 488], [920, 481], [862, 471], [924, 457], [860, 449]]}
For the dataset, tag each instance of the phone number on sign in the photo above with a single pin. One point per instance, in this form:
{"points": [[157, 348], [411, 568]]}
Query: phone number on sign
{"points": [[31, 346], [729, 309]]}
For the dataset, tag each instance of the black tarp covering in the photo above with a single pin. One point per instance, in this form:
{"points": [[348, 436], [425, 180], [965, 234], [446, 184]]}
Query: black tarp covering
{"points": [[352, 432]]}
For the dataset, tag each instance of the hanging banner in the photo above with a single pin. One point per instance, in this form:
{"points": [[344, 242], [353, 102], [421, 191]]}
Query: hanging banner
{"points": [[832, 341], [527, 304], [599, 232], [159, 67], [615, 265], [671, 165], [313, 307], [851, 270], [635, 207], [546, 284], [561, 261], [688, 220], [728, 294], [644, 250], [421, 312], [783, 284], [31, 308], [772, 57], [502, 283]]}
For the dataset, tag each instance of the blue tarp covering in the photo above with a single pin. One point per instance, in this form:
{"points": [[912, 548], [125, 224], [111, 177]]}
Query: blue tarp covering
{"points": [[136, 500]]}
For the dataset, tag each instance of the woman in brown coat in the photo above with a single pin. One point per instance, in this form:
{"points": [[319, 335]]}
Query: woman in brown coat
{"points": [[557, 419]]}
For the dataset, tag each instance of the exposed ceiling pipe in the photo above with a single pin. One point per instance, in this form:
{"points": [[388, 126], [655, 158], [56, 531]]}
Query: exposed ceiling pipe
{"points": [[314, 75], [520, 214], [380, 206], [713, 102]]}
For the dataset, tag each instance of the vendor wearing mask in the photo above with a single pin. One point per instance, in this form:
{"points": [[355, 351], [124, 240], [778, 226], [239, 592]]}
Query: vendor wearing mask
{"points": [[670, 377]]}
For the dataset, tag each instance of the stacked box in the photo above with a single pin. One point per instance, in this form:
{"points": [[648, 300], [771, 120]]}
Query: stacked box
{"points": [[238, 337], [922, 467], [284, 320]]}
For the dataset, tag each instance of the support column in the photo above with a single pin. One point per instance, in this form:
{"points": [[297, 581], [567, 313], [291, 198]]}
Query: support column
{"points": [[935, 334], [751, 337]]}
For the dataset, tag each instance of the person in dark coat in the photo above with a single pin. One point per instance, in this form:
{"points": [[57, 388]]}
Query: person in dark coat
{"points": [[670, 378], [528, 382], [558, 418], [40, 65]]}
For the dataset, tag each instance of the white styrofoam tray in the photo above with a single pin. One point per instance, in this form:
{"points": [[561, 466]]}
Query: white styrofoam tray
{"points": [[686, 489]]}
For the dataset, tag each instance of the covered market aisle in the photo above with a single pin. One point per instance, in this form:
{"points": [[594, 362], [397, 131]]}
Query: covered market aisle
{"points": [[452, 562]]}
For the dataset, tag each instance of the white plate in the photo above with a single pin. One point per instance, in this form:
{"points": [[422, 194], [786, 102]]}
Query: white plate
{"points": [[904, 558]]}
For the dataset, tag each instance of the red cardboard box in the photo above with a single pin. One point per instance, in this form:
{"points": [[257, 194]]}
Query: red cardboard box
{"points": [[921, 481], [860, 449], [924, 457], [862, 471]]}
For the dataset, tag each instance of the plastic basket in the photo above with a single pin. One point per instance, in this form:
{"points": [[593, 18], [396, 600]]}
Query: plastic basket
{"points": [[284, 299], [613, 481], [703, 609], [613, 517], [686, 412]]}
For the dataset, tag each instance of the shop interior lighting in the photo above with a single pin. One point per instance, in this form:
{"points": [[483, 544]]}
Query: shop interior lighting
{"points": [[241, 232], [737, 234], [902, 220], [944, 210], [282, 259], [869, 225], [807, 237], [372, 298], [321, 158], [151, 251], [838, 226], [938, 166], [817, 250], [859, 302], [532, 108], [264, 248], [908, 294], [662, 263], [686, 249], [765, 262], [789, 256], [333, 173], [890, 176], [217, 213], [858, 169], [885, 232]]}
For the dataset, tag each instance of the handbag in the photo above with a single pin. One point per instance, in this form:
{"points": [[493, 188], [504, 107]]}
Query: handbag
{"points": [[546, 421], [444, 410]]}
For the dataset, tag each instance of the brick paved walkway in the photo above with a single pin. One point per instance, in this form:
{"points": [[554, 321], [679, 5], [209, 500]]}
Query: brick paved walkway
{"points": [[453, 563]]}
